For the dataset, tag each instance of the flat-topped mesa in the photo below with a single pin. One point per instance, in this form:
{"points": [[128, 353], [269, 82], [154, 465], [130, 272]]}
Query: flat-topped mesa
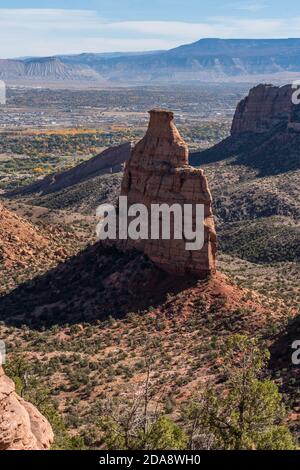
{"points": [[158, 172]]}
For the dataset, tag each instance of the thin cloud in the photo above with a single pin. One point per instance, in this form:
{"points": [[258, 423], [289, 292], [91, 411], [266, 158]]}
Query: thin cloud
{"points": [[57, 31], [48, 19], [224, 27], [251, 7]]}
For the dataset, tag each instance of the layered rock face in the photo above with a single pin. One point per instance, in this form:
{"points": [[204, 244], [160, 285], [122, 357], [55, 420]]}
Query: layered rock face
{"points": [[158, 172], [264, 108], [265, 133], [22, 427]]}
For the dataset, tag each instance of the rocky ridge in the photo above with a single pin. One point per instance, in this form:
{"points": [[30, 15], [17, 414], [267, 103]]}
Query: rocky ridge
{"points": [[111, 160], [46, 69]]}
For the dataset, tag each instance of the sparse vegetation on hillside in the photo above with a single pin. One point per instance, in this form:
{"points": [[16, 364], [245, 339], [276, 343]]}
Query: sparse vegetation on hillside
{"points": [[118, 354], [245, 411]]}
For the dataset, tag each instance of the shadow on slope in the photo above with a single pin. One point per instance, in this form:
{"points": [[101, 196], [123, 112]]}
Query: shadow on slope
{"points": [[262, 240], [94, 284], [282, 367], [272, 153], [83, 197], [101, 282]]}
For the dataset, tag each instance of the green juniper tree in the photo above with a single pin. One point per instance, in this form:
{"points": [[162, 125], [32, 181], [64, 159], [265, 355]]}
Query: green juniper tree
{"points": [[247, 413]]}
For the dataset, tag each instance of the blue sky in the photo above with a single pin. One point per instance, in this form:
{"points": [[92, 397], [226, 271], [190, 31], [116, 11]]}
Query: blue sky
{"points": [[72, 26]]}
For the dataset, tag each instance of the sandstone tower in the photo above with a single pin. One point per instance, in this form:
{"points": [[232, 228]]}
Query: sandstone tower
{"points": [[158, 172]]}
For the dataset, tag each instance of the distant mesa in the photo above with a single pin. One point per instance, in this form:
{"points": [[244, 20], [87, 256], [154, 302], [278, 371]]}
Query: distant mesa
{"points": [[206, 60], [47, 69], [158, 172]]}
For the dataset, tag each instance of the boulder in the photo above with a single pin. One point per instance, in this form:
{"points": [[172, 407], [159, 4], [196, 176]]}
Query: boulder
{"points": [[22, 427]]}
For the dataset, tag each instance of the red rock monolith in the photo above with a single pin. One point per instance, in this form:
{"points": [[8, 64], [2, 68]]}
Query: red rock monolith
{"points": [[158, 172]]}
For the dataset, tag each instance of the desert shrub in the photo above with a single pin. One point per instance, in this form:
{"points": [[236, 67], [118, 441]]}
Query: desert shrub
{"points": [[247, 413]]}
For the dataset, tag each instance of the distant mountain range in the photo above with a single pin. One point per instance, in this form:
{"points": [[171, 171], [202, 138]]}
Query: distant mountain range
{"points": [[204, 60]]}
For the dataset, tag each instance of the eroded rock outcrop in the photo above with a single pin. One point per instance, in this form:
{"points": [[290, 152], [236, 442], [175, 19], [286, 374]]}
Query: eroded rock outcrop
{"points": [[22, 427], [158, 172], [265, 132], [264, 108]]}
